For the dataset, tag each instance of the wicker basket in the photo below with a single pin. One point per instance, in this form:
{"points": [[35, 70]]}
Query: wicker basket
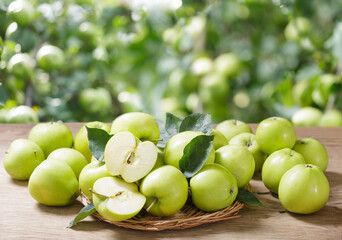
{"points": [[189, 216]]}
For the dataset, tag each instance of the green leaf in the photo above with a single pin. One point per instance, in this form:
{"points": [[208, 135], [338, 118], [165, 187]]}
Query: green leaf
{"points": [[163, 134], [85, 212], [335, 42], [1, 47], [195, 154], [200, 122], [3, 95], [247, 197], [98, 139], [172, 124]]}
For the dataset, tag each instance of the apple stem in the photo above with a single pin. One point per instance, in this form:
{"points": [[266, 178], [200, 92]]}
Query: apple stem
{"points": [[99, 194], [101, 160], [6, 152], [151, 205], [156, 140], [35, 155], [52, 121], [283, 211]]}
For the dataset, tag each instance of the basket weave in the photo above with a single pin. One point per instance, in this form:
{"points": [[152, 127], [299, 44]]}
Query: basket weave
{"points": [[189, 216]]}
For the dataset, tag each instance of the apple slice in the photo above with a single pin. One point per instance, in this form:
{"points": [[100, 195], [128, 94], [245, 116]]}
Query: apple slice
{"points": [[117, 200], [127, 156]]}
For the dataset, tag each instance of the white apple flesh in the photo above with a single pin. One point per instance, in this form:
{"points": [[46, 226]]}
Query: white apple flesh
{"points": [[127, 156], [117, 200]]}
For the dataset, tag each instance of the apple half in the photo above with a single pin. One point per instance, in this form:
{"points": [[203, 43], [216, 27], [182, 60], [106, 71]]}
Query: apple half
{"points": [[127, 156], [117, 200]]}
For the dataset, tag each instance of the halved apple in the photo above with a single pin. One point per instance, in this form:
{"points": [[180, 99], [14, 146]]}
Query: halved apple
{"points": [[117, 200], [127, 156]]}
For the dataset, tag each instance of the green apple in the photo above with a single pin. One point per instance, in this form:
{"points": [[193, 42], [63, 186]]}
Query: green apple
{"points": [[216, 110], [21, 65], [24, 36], [128, 157], [297, 28], [166, 191], [3, 115], [180, 80], [202, 65], [117, 200], [219, 139], [22, 157], [51, 136], [172, 36], [175, 146], [331, 118], [227, 64], [231, 128], [53, 183], [160, 161], [81, 142], [142, 125], [277, 164], [22, 114], [96, 100], [238, 160], [21, 11], [307, 116], [313, 152], [304, 189], [213, 87], [72, 157], [275, 133], [213, 188], [173, 105], [50, 58], [302, 92], [249, 140], [90, 33], [322, 89], [89, 174]]}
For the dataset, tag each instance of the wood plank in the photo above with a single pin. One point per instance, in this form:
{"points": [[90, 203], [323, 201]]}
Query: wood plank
{"points": [[23, 218]]}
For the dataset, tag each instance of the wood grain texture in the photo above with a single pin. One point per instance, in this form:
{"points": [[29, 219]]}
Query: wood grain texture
{"points": [[23, 218]]}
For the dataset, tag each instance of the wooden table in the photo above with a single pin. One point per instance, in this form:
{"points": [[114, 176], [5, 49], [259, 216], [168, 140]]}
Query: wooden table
{"points": [[23, 218]]}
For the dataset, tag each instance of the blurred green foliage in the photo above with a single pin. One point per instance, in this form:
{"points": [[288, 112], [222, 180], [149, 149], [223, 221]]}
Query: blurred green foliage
{"points": [[242, 59]]}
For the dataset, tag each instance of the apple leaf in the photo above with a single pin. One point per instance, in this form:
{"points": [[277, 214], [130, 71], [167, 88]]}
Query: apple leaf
{"points": [[1, 47], [3, 95], [98, 139], [247, 197], [195, 154], [335, 42], [172, 124], [163, 134], [85, 212], [200, 122]]}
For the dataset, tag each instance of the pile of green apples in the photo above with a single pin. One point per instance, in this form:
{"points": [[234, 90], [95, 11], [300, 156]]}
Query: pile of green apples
{"points": [[311, 116], [142, 163]]}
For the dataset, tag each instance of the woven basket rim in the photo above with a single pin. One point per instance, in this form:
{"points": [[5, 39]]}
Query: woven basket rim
{"points": [[188, 217]]}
